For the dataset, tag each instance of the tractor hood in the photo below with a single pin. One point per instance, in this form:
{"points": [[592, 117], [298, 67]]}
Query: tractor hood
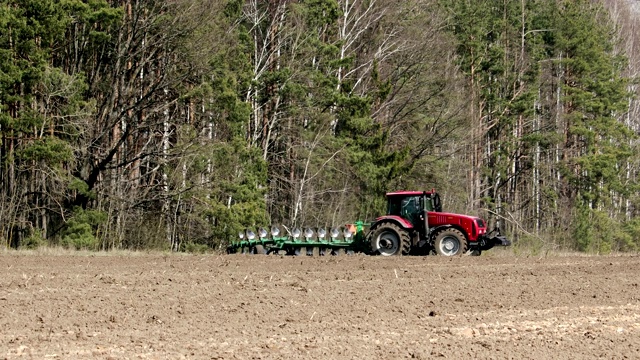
{"points": [[439, 218], [472, 225]]}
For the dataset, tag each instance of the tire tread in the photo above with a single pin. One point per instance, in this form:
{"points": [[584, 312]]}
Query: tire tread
{"points": [[403, 235]]}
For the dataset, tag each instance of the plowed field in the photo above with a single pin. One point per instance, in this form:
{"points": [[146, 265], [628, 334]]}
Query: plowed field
{"points": [[142, 306]]}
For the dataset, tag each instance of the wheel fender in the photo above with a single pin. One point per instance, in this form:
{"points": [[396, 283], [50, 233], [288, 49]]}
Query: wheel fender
{"points": [[400, 221]]}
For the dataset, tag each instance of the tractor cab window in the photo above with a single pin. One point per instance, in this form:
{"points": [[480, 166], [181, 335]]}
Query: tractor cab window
{"points": [[407, 207], [433, 202], [394, 206], [437, 204], [429, 203], [411, 208]]}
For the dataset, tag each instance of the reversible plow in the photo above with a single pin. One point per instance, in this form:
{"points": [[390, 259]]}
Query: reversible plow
{"points": [[414, 224], [317, 241]]}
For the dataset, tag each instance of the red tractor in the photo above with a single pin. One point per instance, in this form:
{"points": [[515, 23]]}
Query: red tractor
{"points": [[415, 223]]}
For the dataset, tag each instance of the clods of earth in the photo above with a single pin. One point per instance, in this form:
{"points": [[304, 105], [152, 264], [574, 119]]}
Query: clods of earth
{"points": [[155, 306]]}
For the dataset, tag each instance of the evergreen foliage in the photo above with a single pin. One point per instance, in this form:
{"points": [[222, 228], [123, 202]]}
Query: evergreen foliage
{"points": [[176, 124]]}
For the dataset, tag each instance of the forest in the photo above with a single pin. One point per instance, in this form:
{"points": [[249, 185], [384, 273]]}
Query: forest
{"points": [[172, 124]]}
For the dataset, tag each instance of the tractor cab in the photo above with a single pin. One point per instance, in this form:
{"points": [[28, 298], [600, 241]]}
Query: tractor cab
{"points": [[411, 205]]}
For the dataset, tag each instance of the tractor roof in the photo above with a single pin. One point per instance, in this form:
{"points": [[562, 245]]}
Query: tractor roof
{"points": [[409, 193]]}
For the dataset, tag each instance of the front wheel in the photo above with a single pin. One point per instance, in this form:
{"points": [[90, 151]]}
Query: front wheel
{"points": [[451, 242], [389, 239]]}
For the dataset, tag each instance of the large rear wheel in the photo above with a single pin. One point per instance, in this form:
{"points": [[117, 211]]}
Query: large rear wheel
{"points": [[389, 239], [451, 242]]}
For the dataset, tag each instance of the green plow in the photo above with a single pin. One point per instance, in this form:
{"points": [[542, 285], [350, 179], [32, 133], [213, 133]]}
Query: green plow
{"points": [[310, 241]]}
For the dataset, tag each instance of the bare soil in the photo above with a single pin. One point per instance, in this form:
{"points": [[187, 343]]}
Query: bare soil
{"points": [[146, 306]]}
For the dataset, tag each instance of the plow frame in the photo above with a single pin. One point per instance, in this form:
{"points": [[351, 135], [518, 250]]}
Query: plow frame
{"points": [[276, 243]]}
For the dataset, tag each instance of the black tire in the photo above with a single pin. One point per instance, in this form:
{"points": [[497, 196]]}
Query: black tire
{"points": [[389, 239], [451, 242]]}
